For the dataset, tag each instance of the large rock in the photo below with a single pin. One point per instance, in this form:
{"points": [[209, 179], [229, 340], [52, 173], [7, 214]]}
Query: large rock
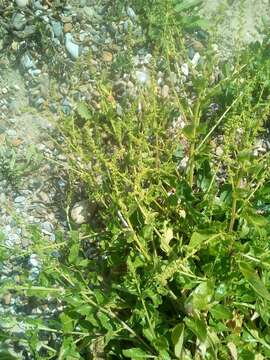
{"points": [[82, 211]]}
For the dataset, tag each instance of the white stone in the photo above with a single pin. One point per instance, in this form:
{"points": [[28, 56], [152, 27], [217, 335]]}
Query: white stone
{"points": [[22, 3], [143, 76], [72, 48], [196, 59], [81, 212], [184, 69]]}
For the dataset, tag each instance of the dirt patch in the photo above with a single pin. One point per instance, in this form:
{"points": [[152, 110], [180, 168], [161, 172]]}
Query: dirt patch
{"points": [[237, 22]]}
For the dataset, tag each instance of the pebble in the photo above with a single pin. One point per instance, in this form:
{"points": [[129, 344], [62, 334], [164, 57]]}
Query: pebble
{"points": [[219, 151], [72, 48], [184, 69], [34, 261], [143, 76], [7, 299], [11, 132], [82, 211], [196, 59], [67, 27], [19, 199], [165, 91], [131, 13], [22, 3], [107, 56], [19, 21]]}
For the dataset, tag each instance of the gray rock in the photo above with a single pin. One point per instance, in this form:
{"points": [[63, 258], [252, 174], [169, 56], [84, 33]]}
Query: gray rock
{"points": [[11, 132], [19, 199], [47, 226], [82, 211], [27, 61], [19, 21], [73, 49], [57, 29], [22, 3], [165, 91], [143, 76], [131, 13]]}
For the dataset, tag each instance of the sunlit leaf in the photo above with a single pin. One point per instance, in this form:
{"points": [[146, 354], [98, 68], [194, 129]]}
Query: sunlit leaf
{"points": [[254, 280], [178, 339]]}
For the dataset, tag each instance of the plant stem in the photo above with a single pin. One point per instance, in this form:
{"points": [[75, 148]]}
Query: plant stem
{"points": [[196, 123], [234, 203]]}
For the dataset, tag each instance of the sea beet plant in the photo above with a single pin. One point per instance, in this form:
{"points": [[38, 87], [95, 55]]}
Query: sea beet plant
{"points": [[176, 263]]}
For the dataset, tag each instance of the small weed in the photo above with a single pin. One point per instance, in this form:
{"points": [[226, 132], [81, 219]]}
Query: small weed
{"points": [[15, 166]]}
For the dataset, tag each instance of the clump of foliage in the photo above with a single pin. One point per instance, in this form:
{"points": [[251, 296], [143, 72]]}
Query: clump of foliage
{"points": [[14, 167], [179, 260]]}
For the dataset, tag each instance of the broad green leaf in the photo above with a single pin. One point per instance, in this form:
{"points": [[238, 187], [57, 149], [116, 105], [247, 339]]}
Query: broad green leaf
{"points": [[187, 5], [188, 131], [198, 327], [136, 353], [198, 238], [5, 355], [74, 253], [220, 312], [105, 321], [202, 295], [178, 339], [254, 280], [67, 322], [166, 237], [257, 220], [83, 111], [200, 23]]}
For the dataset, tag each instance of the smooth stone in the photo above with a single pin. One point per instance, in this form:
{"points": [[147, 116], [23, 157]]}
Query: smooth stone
{"points": [[143, 76], [72, 48], [19, 21], [196, 59], [47, 226], [165, 91], [57, 29], [131, 13], [107, 56], [82, 210], [27, 61], [11, 132], [19, 199], [22, 3], [184, 69], [34, 261]]}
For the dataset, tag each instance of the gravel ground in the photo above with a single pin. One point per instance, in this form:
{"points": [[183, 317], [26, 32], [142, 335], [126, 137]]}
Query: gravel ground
{"points": [[239, 23]]}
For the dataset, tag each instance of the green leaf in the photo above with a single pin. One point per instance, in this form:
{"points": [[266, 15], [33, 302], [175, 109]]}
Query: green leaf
{"points": [[83, 111], [5, 355], [257, 220], [166, 237], [220, 312], [178, 339], [200, 23], [202, 295], [136, 353], [188, 131], [74, 253], [67, 322], [187, 5], [198, 238], [254, 280], [105, 321], [198, 328]]}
